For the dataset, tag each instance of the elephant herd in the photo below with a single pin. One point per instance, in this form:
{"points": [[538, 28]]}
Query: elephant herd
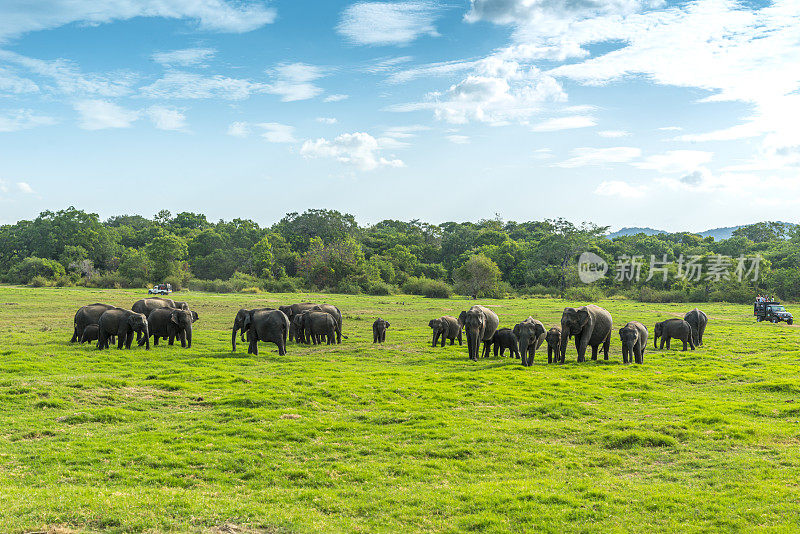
{"points": [[589, 325], [160, 318], [310, 323]]}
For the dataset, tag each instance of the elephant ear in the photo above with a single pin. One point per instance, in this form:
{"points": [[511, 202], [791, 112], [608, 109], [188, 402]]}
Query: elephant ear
{"points": [[462, 318], [246, 322], [583, 317], [516, 330], [195, 316], [173, 317], [386, 324], [431, 323]]}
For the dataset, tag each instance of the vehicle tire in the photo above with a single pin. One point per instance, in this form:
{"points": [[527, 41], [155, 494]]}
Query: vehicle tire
{"points": [[789, 321], [775, 320], [759, 319]]}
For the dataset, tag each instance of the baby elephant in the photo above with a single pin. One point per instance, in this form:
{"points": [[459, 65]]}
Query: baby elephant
{"points": [[677, 328], [92, 333], [634, 340], [379, 330], [553, 338], [446, 327], [505, 339]]}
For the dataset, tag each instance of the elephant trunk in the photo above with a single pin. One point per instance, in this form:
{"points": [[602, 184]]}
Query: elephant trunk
{"points": [[146, 335], [625, 352], [524, 341], [655, 341], [189, 337], [233, 338]]}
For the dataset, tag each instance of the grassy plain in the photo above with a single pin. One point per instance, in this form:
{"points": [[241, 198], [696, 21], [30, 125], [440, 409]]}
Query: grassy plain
{"points": [[394, 438]]}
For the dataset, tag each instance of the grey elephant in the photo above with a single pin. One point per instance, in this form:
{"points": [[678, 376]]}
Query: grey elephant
{"points": [[634, 340], [145, 306], [170, 323], [318, 326], [698, 321], [122, 323], [553, 338], [673, 328], [269, 326], [291, 311], [446, 327], [503, 339], [90, 333], [296, 328], [87, 315], [238, 326], [337, 316], [379, 330], [480, 324], [591, 327], [530, 334]]}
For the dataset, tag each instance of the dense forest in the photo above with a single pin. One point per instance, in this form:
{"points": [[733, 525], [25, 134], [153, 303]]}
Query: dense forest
{"points": [[326, 250]]}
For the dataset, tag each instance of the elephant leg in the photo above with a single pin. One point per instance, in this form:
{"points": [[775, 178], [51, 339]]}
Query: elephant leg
{"points": [[640, 355], [594, 352], [549, 354], [74, 335], [459, 339], [606, 346], [497, 349], [691, 344], [121, 340]]}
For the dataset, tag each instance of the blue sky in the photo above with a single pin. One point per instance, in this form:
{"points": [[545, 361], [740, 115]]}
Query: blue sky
{"points": [[621, 112]]}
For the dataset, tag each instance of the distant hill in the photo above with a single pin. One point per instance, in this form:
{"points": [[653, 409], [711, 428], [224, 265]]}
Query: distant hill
{"points": [[718, 234], [635, 230]]}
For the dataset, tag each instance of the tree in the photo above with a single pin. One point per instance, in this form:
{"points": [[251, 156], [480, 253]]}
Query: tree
{"points": [[165, 251], [479, 276], [262, 258], [135, 266]]}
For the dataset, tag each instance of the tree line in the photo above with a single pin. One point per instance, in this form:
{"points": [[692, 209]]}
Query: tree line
{"points": [[327, 250]]}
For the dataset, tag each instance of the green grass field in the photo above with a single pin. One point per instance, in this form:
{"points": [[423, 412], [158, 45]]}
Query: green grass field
{"points": [[394, 438]]}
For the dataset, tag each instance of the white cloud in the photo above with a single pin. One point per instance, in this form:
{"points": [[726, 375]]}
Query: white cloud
{"points": [[405, 132], [239, 129], [670, 128], [585, 156], [336, 98], [458, 139], [388, 23], [358, 149], [327, 120], [293, 81], [101, 114], [19, 18], [68, 78], [166, 118], [564, 123], [11, 83], [613, 134], [186, 57], [386, 64], [277, 133], [188, 85], [617, 188], [542, 153], [274, 132], [527, 11], [23, 119], [24, 187]]}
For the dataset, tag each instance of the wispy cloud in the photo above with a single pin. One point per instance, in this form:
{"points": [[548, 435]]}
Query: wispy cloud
{"points": [[189, 85], [388, 23], [23, 119], [19, 18], [186, 57], [617, 188], [101, 114], [336, 98], [293, 81], [274, 132], [585, 156], [166, 118]]}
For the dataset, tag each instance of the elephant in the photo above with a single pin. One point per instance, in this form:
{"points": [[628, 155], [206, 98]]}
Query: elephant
{"points": [[379, 330], [267, 325], [446, 327], [677, 328], [317, 325], [145, 306], [238, 326], [291, 311], [530, 334], [296, 328], [698, 321], [170, 323], [553, 338], [634, 340], [591, 326], [480, 323], [337, 316], [86, 316], [503, 339], [122, 323], [90, 333]]}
